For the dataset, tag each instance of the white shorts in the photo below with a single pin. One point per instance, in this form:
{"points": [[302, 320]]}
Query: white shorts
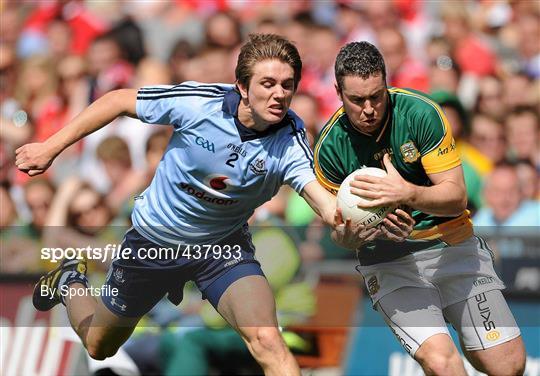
{"points": [[416, 293]]}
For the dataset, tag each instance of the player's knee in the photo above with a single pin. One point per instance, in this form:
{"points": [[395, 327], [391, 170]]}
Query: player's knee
{"points": [[439, 364], [438, 358], [99, 350], [266, 342]]}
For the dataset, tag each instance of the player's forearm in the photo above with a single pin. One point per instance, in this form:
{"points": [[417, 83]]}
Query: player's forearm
{"points": [[97, 115], [444, 199], [321, 201]]}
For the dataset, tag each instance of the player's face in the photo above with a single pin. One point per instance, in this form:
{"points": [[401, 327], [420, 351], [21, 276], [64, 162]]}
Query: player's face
{"points": [[270, 92], [364, 101]]}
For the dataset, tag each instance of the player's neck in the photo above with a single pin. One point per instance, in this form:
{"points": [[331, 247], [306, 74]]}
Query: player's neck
{"points": [[249, 119]]}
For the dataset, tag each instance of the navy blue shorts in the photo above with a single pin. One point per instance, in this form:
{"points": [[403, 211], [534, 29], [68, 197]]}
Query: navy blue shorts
{"points": [[152, 271]]}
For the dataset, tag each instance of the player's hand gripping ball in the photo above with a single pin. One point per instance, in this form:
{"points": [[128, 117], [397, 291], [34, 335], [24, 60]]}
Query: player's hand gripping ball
{"points": [[348, 202]]}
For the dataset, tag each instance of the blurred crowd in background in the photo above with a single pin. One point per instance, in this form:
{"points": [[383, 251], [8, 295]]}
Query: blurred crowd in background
{"points": [[480, 60]]}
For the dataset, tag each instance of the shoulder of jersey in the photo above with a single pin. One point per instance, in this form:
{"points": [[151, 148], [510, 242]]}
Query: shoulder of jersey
{"points": [[414, 97], [185, 89], [296, 122]]}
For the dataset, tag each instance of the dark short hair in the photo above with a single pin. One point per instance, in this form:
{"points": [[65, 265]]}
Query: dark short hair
{"points": [[360, 59], [261, 47]]}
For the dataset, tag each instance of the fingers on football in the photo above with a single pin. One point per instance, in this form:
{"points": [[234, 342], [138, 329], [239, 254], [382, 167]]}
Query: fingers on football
{"points": [[405, 217], [373, 203], [364, 193], [372, 233], [338, 217], [391, 236]]}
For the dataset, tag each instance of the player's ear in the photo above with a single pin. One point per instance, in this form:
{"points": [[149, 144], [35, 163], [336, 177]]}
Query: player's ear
{"points": [[242, 89], [338, 91]]}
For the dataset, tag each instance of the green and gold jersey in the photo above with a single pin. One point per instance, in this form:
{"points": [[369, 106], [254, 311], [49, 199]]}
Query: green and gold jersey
{"points": [[418, 137]]}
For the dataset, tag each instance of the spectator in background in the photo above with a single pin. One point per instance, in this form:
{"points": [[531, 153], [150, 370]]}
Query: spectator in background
{"points": [[8, 215], [125, 181], [459, 122], [529, 179], [59, 39], [505, 203], [318, 75], [381, 14], [268, 25], [107, 66], [38, 195], [528, 27], [15, 129], [83, 26], [490, 97], [222, 29], [179, 58], [351, 22], [210, 65], [523, 133], [470, 52], [518, 91], [296, 211], [155, 147], [78, 217], [487, 136], [51, 93], [444, 74], [307, 108], [18, 252], [403, 70]]}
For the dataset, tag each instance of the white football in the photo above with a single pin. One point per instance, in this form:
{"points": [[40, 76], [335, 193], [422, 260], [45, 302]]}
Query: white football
{"points": [[348, 202]]}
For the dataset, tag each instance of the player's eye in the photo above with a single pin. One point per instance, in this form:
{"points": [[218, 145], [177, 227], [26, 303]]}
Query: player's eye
{"points": [[288, 85], [267, 84]]}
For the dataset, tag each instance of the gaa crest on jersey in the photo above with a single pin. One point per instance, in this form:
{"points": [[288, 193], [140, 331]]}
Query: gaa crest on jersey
{"points": [[409, 152], [119, 275], [258, 167], [373, 285]]}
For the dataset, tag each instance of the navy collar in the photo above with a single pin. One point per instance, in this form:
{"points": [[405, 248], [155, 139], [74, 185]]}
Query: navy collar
{"points": [[231, 101]]}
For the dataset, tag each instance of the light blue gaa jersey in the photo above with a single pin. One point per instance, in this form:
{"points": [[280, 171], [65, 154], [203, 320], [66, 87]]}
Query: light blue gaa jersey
{"points": [[215, 171]]}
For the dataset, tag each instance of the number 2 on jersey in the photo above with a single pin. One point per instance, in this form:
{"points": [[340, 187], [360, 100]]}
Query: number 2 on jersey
{"points": [[233, 158]]}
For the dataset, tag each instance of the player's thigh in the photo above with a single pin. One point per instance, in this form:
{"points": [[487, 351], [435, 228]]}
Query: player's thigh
{"points": [[108, 330], [248, 302], [488, 331], [414, 315]]}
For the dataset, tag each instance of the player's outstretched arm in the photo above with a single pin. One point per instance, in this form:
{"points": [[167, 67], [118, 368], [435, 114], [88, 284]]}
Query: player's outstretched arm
{"points": [[321, 201], [344, 233], [35, 158]]}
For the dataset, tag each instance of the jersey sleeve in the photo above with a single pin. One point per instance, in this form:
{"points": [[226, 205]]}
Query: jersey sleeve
{"points": [[434, 139], [178, 105], [298, 163], [327, 166]]}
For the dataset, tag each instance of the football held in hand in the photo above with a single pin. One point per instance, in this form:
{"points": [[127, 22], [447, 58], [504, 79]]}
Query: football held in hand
{"points": [[348, 202]]}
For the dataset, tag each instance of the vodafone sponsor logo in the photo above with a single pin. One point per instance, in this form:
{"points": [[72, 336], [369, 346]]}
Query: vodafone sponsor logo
{"points": [[204, 196], [219, 183]]}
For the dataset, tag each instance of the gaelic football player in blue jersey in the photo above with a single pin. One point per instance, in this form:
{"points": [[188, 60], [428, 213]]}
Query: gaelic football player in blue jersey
{"points": [[232, 148]]}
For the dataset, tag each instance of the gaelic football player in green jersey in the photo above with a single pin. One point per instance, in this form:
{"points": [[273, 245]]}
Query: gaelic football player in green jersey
{"points": [[442, 270]]}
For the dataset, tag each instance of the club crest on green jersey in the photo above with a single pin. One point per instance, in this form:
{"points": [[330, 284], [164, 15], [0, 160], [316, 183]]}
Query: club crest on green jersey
{"points": [[409, 152]]}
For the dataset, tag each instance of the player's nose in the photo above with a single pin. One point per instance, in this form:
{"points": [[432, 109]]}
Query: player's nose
{"points": [[279, 92], [368, 109]]}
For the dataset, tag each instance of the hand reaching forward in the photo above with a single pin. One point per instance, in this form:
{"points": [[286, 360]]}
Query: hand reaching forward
{"points": [[391, 190], [34, 159], [351, 236]]}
